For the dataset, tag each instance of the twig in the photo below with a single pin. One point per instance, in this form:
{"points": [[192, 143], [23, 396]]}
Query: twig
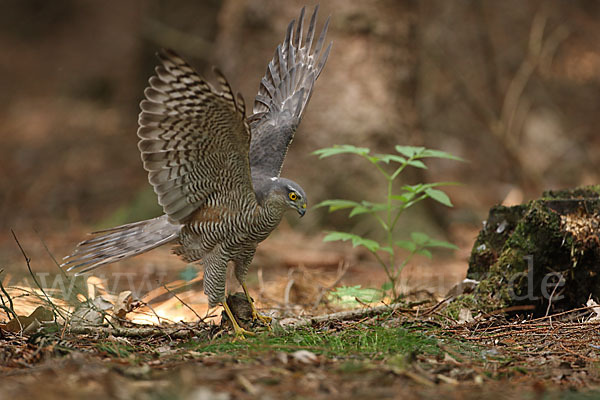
{"points": [[586, 358], [6, 309], [28, 291], [88, 301], [288, 288], [28, 262], [505, 121], [525, 307], [438, 305], [184, 303], [247, 385], [490, 59], [552, 296], [151, 309], [62, 271], [343, 267], [261, 281], [80, 291], [10, 310], [516, 86], [11, 307], [75, 285], [347, 315], [158, 319], [416, 377], [586, 308], [176, 332]]}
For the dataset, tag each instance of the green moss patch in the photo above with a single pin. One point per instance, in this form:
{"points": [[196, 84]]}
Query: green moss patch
{"points": [[545, 253]]}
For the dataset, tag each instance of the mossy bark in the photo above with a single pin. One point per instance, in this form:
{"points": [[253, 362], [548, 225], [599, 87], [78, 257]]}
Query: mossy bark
{"points": [[545, 253]]}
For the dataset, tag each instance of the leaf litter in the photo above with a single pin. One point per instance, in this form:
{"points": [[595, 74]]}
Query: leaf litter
{"points": [[341, 355]]}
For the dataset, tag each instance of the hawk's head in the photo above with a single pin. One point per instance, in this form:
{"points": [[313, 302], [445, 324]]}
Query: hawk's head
{"points": [[289, 194]]}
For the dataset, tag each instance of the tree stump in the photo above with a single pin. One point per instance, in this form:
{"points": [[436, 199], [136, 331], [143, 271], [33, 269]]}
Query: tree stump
{"points": [[545, 253]]}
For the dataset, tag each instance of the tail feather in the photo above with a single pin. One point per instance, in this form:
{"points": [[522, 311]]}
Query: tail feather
{"points": [[121, 242]]}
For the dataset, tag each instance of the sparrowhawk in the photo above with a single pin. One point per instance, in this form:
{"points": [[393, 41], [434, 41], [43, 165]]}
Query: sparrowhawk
{"points": [[216, 172]]}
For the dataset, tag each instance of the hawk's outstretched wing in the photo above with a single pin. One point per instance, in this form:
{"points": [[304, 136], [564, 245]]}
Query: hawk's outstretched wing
{"points": [[194, 141], [283, 94]]}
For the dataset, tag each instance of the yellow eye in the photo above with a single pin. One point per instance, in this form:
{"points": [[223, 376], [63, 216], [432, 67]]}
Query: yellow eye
{"points": [[293, 196]]}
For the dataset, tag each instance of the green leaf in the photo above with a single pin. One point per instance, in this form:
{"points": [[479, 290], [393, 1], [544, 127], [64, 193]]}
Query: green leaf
{"points": [[337, 204], [422, 152], [406, 244], [387, 249], [440, 154], [341, 149], [351, 295], [421, 187], [359, 210], [386, 286], [409, 198], [404, 197], [417, 164], [415, 201], [386, 158], [414, 188], [442, 244], [439, 196], [374, 159], [425, 252], [367, 207], [419, 238], [409, 151], [374, 206], [369, 244], [436, 184]]}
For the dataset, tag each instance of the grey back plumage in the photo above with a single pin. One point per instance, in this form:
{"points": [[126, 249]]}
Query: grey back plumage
{"points": [[284, 93]]}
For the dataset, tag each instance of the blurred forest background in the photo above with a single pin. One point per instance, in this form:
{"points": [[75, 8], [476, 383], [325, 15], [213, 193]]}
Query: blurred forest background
{"points": [[512, 86]]}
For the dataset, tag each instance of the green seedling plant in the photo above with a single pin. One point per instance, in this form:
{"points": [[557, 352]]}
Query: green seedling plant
{"points": [[388, 212]]}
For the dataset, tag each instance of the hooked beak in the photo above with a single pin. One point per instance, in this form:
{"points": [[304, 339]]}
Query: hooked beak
{"points": [[302, 210]]}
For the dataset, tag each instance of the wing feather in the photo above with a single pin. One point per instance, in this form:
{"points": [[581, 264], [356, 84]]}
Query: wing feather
{"points": [[194, 140], [283, 95]]}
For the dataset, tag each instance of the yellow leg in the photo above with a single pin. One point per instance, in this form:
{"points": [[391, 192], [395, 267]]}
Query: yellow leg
{"points": [[239, 331], [255, 314]]}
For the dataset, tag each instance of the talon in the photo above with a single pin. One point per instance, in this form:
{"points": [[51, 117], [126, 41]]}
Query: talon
{"points": [[265, 320], [239, 331]]}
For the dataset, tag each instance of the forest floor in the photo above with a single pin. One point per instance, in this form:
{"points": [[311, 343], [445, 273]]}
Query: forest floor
{"points": [[418, 349], [396, 354]]}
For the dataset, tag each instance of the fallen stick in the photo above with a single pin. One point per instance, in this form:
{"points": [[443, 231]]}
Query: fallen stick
{"points": [[348, 315], [179, 332]]}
